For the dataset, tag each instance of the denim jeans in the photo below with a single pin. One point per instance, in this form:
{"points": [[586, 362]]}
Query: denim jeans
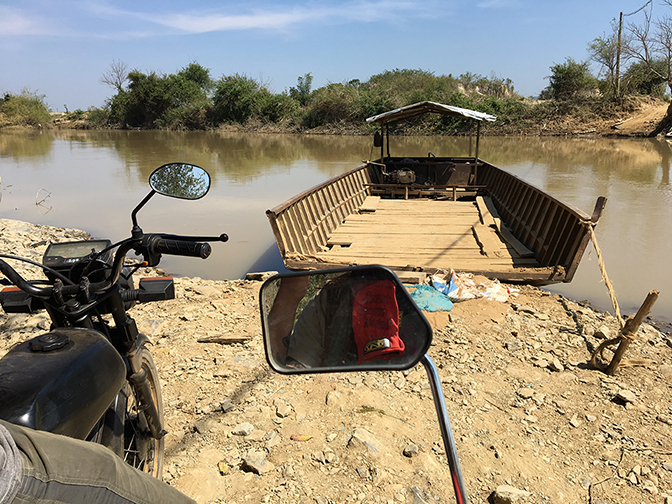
{"points": [[58, 469]]}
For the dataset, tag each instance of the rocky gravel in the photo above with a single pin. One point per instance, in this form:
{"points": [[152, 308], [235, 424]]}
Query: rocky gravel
{"points": [[533, 421]]}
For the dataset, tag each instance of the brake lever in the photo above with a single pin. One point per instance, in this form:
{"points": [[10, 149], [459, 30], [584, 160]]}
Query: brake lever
{"points": [[222, 238]]}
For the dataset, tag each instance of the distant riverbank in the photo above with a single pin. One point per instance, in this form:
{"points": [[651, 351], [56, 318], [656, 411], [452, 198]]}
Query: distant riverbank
{"points": [[641, 119], [342, 109]]}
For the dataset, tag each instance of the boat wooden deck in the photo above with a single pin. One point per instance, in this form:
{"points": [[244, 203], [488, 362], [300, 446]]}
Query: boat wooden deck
{"points": [[497, 225], [425, 233]]}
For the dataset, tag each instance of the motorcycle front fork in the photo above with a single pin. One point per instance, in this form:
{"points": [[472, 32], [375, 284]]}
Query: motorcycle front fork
{"points": [[127, 337], [147, 407]]}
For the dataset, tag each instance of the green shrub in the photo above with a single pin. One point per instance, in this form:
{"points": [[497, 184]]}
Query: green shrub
{"points": [[370, 102], [178, 101], [25, 109], [98, 118], [640, 79], [190, 116], [75, 115], [451, 124], [277, 108], [569, 80], [332, 104], [236, 98], [301, 93]]}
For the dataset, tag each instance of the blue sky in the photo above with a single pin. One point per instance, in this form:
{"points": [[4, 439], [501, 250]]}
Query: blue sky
{"points": [[61, 48]]}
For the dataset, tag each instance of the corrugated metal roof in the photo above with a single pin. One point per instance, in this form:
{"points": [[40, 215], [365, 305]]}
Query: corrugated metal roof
{"points": [[425, 107]]}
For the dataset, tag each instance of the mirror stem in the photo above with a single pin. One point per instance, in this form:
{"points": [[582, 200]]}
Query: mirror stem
{"points": [[134, 220], [446, 433]]}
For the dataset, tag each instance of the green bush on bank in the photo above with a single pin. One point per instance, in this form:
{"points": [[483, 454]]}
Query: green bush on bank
{"points": [[25, 109], [173, 101], [97, 117]]}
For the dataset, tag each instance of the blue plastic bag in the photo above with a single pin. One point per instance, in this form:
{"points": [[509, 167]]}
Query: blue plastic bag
{"points": [[431, 300]]}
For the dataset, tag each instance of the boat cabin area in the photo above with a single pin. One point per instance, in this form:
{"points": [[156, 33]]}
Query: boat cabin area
{"points": [[419, 215]]}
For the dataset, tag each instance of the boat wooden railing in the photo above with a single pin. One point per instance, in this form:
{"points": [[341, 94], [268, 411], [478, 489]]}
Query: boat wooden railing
{"points": [[406, 190], [557, 233], [303, 224]]}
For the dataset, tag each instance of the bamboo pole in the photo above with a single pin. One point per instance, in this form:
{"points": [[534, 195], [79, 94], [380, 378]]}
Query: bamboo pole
{"points": [[629, 332], [625, 338]]}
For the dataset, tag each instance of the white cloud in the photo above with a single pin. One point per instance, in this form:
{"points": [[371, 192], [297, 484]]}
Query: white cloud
{"points": [[18, 22], [500, 4], [279, 17], [105, 20], [195, 23]]}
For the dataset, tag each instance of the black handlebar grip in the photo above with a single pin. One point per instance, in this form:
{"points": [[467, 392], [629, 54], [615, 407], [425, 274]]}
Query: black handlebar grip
{"points": [[182, 248]]}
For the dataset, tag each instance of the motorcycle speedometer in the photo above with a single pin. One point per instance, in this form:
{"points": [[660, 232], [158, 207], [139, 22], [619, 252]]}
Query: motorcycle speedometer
{"points": [[64, 256]]}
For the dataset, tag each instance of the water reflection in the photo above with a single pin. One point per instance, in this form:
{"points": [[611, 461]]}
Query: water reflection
{"points": [[25, 145], [241, 157], [664, 148], [236, 156], [96, 177]]}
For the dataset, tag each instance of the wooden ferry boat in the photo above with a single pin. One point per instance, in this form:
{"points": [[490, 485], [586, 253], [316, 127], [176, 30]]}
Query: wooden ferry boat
{"points": [[424, 214]]}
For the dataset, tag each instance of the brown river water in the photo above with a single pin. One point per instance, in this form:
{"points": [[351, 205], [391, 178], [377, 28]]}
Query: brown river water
{"points": [[93, 180]]}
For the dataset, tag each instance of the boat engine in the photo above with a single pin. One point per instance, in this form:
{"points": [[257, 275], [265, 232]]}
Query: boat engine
{"points": [[404, 176]]}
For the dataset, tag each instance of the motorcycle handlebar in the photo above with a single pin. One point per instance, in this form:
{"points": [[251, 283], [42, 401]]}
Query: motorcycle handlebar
{"points": [[40, 292], [182, 248], [22, 283], [157, 244]]}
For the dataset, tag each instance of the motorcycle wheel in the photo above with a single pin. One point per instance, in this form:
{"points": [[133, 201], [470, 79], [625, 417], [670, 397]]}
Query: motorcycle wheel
{"points": [[141, 450]]}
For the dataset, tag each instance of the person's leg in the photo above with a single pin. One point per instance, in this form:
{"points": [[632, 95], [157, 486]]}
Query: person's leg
{"points": [[59, 469]]}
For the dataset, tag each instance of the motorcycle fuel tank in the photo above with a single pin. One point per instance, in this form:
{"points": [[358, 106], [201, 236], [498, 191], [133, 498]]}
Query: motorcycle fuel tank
{"points": [[62, 381]]}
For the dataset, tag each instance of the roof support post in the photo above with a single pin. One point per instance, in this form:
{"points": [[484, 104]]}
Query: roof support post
{"points": [[382, 145], [471, 127], [387, 135], [478, 136]]}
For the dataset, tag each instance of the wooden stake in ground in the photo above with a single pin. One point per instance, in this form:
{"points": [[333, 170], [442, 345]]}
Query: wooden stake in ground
{"points": [[626, 336]]}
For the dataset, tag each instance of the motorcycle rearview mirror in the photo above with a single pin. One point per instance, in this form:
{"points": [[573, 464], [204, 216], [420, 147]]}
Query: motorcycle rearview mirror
{"points": [[177, 180], [180, 180], [348, 319]]}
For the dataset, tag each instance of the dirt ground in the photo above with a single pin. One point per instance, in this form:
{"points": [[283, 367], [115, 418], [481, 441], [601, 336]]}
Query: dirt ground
{"points": [[526, 407], [641, 123]]}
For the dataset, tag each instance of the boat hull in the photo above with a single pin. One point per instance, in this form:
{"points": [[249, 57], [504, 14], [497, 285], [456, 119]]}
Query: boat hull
{"points": [[423, 215]]}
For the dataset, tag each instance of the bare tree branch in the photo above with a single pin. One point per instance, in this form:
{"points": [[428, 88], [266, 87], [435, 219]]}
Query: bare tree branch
{"points": [[644, 46], [116, 75], [664, 41]]}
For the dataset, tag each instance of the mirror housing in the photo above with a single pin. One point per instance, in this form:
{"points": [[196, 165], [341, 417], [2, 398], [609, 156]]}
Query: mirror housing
{"points": [[180, 180], [358, 318]]}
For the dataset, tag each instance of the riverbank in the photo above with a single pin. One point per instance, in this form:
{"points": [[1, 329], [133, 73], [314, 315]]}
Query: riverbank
{"points": [[632, 117], [526, 408], [636, 118]]}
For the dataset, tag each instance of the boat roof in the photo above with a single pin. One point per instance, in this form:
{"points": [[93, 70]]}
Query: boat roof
{"points": [[425, 107]]}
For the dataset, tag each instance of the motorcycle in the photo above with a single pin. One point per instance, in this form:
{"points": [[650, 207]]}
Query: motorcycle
{"points": [[351, 319], [91, 376]]}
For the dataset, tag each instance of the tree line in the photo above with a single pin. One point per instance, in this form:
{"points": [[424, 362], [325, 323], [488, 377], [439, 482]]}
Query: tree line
{"points": [[192, 99]]}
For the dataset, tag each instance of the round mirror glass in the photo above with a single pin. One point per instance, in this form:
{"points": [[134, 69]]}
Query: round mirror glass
{"points": [[348, 319], [180, 180]]}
